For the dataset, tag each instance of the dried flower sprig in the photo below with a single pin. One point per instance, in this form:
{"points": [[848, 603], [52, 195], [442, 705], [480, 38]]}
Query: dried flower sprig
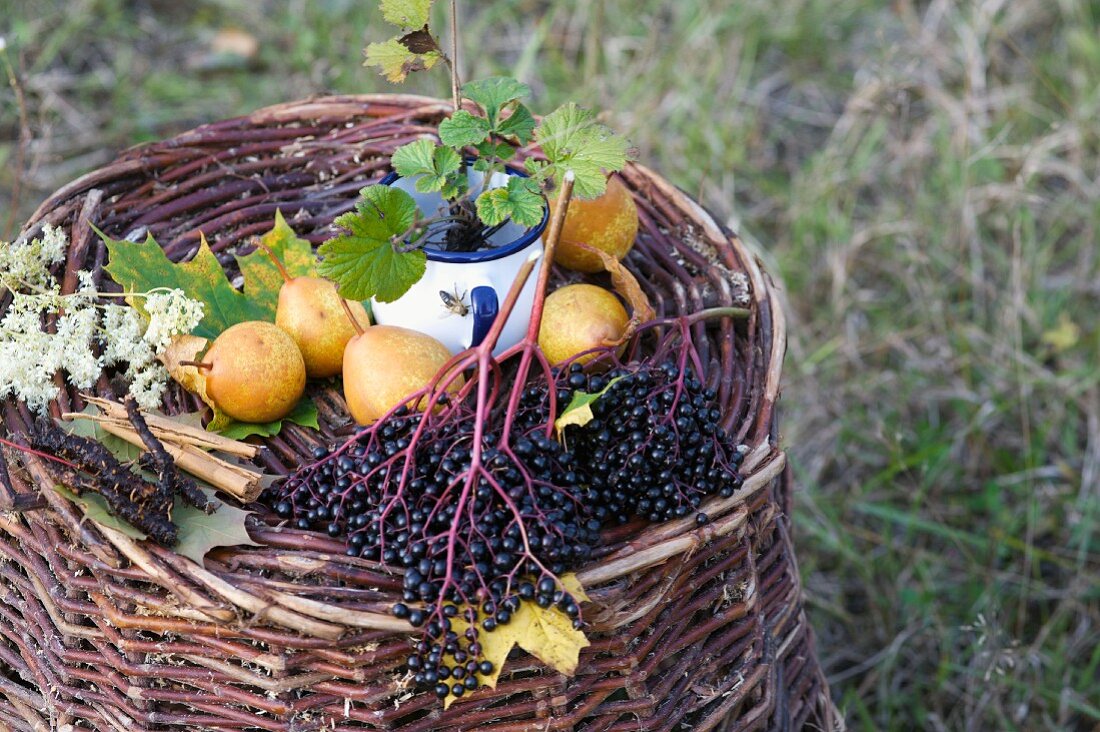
{"points": [[88, 334]]}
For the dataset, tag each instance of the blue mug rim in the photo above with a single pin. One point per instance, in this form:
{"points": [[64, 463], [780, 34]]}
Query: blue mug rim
{"points": [[485, 255]]}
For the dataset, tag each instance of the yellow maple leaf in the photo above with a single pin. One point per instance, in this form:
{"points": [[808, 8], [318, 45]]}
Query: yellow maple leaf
{"points": [[546, 633]]}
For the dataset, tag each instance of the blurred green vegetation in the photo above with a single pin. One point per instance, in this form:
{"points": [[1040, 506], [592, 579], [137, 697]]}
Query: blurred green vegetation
{"points": [[922, 175]]}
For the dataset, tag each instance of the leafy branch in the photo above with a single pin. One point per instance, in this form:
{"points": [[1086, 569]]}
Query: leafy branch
{"points": [[380, 252]]}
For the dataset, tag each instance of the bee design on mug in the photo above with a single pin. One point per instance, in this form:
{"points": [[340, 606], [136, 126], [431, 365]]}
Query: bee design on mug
{"points": [[454, 302]]}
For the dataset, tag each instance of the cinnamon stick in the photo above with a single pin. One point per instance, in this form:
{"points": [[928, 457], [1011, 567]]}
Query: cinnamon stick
{"points": [[243, 484], [170, 430]]}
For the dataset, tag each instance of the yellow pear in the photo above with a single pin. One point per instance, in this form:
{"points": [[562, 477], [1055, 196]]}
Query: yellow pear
{"points": [[609, 222], [254, 372], [578, 318], [385, 364], [312, 313]]}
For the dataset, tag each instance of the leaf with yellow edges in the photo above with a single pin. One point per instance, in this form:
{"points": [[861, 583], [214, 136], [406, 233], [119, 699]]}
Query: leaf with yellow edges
{"points": [[579, 410], [546, 633]]}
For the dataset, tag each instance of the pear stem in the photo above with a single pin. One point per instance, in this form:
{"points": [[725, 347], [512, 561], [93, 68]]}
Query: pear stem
{"points": [[351, 315], [197, 364], [278, 262]]}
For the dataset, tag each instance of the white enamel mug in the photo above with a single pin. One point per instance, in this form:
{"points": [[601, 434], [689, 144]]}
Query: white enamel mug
{"points": [[479, 280]]}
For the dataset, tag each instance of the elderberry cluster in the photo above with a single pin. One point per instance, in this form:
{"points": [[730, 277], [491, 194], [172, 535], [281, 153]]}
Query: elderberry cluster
{"points": [[473, 551], [655, 447], [521, 524]]}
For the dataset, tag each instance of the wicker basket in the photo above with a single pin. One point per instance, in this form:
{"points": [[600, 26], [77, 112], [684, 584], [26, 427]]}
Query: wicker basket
{"points": [[691, 628]]}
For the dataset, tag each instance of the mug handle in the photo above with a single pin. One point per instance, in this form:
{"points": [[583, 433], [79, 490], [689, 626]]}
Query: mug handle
{"points": [[485, 306]]}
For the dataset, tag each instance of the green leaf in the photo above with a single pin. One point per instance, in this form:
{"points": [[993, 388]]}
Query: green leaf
{"points": [[407, 13], [262, 278], [199, 532], [95, 508], [579, 411], [304, 414], [463, 129], [572, 139], [494, 93], [520, 125], [489, 149], [395, 61], [434, 164], [517, 201], [364, 262], [454, 187], [414, 158], [144, 267]]}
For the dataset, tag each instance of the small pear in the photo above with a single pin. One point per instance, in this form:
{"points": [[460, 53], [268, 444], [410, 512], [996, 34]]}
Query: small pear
{"points": [[310, 311], [609, 222], [384, 364], [254, 372], [578, 318]]}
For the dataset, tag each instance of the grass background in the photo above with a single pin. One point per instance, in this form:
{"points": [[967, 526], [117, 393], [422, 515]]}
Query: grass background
{"points": [[924, 176]]}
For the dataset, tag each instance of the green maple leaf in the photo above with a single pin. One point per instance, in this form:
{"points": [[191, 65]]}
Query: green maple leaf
{"points": [[407, 13], [141, 267], [262, 278], [434, 164], [463, 129], [519, 201], [95, 509], [572, 139], [304, 414], [365, 262], [494, 94], [199, 532], [396, 61]]}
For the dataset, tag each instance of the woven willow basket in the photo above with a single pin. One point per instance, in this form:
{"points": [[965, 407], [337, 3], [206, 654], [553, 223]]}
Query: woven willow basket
{"points": [[691, 628]]}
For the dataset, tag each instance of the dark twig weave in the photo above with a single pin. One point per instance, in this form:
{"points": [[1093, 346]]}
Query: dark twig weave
{"points": [[691, 628]]}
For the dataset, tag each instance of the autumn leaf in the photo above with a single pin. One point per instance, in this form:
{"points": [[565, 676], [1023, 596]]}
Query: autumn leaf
{"points": [[304, 414], [579, 410], [200, 532], [626, 284], [262, 279], [407, 13], [546, 633], [183, 349], [396, 61], [95, 509], [144, 267]]}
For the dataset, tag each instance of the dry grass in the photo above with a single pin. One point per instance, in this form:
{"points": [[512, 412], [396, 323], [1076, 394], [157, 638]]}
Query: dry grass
{"points": [[925, 178]]}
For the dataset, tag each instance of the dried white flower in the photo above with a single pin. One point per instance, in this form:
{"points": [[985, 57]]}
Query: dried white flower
{"points": [[76, 330], [30, 357], [170, 314]]}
